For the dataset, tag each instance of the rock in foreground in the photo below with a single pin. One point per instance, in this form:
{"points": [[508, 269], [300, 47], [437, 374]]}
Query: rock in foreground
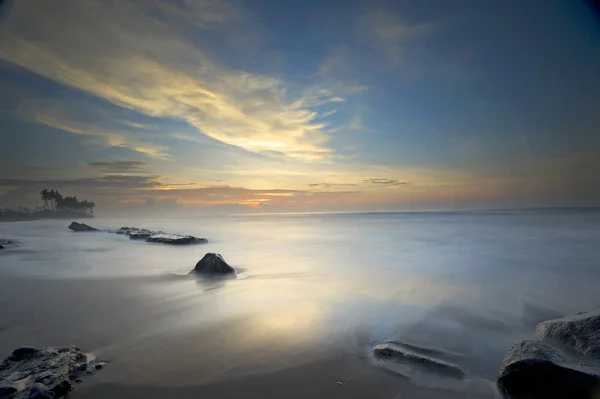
{"points": [[580, 331], [402, 354], [41, 373], [81, 227], [213, 264], [175, 239], [536, 370]]}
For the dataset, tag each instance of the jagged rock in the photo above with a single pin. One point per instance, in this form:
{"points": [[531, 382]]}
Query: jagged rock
{"points": [[405, 355], [580, 331], [140, 234], [41, 373], [175, 239], [536, 370], [81, 227], [213, 264]]}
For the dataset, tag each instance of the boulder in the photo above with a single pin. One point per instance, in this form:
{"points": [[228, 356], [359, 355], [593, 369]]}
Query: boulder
{"points": [[213, 264], [580, 331], [409, 355], [537, 370], [140, 234], [81, 227], [41, 373], [175, 239]]}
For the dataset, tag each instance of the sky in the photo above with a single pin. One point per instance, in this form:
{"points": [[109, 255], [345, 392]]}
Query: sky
{"points": [[294, 106]]}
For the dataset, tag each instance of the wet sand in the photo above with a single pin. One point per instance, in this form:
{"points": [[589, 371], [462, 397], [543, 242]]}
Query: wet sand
{"points": [[168, 336]]}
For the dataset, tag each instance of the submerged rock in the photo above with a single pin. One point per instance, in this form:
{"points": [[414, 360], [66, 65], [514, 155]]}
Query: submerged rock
{"points": [[41, 373], [175, 239], [213, 264], [580, 331], [81, 227], [408, 356], [536, 370]]}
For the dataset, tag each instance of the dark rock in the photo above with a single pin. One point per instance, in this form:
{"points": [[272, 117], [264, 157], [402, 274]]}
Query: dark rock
{"points": [[213, 264], [23, 352], [127, 230], [81, 227], [175, 239], [140, 234], [99, 366], [42, 373], [1, 247], [536, 370], [404, 355], [580, 331], [7, 391], [40, 391]]}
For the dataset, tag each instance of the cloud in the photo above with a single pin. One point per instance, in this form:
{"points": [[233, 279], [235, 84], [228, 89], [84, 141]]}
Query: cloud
{"points": [[390, 35], [119, 166], [329, 185], [386, 182], [54, 117], [134, 58]]}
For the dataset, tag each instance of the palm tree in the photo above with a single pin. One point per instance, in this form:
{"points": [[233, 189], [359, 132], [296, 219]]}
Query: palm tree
{"points": [[45, 196]]}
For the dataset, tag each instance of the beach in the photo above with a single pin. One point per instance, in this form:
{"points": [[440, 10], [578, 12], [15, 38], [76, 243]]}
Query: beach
{"points": [[313, 295]]}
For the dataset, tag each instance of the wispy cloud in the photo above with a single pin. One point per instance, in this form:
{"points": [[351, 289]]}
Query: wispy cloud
{"points": [[386, 182], [390, 35], [119, 166], [101, 137], [122, 53]]}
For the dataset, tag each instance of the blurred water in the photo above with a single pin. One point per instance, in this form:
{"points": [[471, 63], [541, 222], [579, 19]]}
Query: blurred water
{"points": [[470, 284]]}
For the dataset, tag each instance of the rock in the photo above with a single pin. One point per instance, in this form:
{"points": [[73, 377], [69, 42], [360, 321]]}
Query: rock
{"points": [[7, 391], [99, 366], [1, 247], [127, 230], [175, 239], [140, 234], [580, 331], [41, 373], [81, 227], [402, 354], [536, 370], [213, 264], [40, 391], [23, 352]]}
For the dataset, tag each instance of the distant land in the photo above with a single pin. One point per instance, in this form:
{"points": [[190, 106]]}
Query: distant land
{"points": [[55, 206]]}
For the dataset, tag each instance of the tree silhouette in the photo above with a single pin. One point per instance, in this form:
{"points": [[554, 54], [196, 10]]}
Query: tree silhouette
{"points": [[45, 196]]}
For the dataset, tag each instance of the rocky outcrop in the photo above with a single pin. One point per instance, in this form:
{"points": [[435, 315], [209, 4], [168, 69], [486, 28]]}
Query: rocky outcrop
{"points": [[175, 239], [580, 331], [565, 363], [42, 373], [213, 264], [411, 356], [81, 227]]}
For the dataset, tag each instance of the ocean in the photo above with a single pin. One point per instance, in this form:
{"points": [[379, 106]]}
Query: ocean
{"points": [[469, 284]]}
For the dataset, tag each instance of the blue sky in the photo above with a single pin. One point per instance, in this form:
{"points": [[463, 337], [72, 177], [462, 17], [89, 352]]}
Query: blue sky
{"points": [[301, 105]]}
